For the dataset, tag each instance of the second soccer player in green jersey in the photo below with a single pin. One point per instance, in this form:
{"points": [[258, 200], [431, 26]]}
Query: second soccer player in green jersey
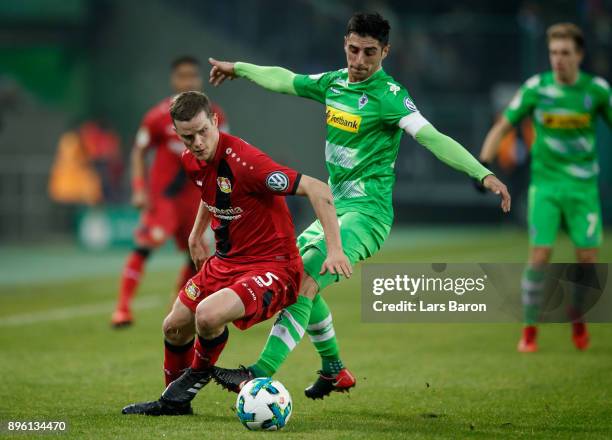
{"points": [[563, 104], [367, 111]]}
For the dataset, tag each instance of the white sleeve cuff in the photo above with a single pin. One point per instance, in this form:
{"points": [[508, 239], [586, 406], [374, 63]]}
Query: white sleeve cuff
{"points": [[412, 123]]}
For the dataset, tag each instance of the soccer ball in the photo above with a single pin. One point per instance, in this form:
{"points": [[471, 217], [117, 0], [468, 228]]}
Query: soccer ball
{"points": [[264, 404]]}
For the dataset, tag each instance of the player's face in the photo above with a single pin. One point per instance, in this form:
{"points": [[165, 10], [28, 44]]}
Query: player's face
{"points": [[186, 78], [565, 58], [364, 56], [200, 135]]}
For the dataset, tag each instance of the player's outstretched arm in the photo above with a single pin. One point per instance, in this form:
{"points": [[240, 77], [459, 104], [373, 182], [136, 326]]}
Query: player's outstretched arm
{"points": [[456, 156], [275, 79], [321, 199], [197, 249]]}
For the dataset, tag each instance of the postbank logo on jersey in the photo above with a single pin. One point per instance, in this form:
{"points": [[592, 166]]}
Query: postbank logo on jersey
{"points": [[224, 184], [191, 290], [342, 120], [566, 121]]}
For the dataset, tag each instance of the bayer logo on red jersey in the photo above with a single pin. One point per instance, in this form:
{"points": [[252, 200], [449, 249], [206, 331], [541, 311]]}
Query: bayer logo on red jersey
{"points": [[277, 181]]}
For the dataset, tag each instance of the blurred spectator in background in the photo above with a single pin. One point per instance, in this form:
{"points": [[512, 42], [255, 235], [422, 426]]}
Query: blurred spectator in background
{"points": [[102, 147], [73, 179]]}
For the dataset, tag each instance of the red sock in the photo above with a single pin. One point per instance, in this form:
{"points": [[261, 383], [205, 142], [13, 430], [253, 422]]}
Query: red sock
{"points": [[578, 328], [176, 359], [188, 271], [530, 332], [207, 351], [130, 279]]}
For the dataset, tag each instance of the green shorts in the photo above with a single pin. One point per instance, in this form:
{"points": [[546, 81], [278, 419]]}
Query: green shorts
{"points": [[362, 236], [579, 207]]}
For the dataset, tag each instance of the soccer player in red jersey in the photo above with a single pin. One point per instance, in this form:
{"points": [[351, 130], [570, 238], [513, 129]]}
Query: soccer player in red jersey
{"points": [[256, 270], [169, 202]]}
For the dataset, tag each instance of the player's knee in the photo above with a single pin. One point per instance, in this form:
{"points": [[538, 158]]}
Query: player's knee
{"points": [[175, 332], [309, 287], [143, 251], [207, 319], [540, 256], [586, 256]]}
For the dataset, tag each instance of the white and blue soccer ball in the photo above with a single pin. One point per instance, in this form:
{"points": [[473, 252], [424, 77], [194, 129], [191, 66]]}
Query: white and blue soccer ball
{"points": [[264, 404]]}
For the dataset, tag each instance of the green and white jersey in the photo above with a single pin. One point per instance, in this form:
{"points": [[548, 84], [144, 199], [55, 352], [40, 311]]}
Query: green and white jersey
{"points": [[363, 136], [564, 116]]}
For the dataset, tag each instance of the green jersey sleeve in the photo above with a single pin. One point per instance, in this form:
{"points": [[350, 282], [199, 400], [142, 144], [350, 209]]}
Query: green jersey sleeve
{"points": [[272, 78], [451, 152], [396, 105], [314, 86], [604, 93], [524, 101]]}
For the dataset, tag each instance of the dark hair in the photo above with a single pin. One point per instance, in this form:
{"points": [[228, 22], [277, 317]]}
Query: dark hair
{"points": [[186, 105], [566, 30], [185, 59], [369, 25]]}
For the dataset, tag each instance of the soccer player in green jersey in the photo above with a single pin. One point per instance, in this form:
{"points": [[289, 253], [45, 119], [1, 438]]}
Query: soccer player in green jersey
{"points": [[367, 112], [563, 105]]}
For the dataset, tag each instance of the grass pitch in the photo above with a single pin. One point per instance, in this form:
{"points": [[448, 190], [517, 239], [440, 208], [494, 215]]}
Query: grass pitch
{"points": [[60, 360]]}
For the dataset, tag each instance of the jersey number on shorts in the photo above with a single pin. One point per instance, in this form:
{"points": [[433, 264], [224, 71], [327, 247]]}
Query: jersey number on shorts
{"points": [[270, 277], [592, 219]]}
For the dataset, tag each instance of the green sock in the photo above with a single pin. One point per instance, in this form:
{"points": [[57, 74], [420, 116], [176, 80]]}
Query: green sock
{"points": [[532, 284], [321, 331], [287, 332]]}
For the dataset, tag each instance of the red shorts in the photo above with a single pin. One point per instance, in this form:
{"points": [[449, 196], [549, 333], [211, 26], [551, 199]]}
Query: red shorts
{"points": [[165, 218], [264, 288]]}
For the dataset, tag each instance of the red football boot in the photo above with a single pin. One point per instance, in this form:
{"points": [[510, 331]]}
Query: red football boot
{"points": [[580, 336], [324, 385], [121, 318]]}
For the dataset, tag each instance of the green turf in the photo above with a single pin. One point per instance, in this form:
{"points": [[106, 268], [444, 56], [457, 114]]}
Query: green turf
{"points": [[414, 381]]}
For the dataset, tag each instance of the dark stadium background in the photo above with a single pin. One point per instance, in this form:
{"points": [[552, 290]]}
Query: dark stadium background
{"points": [[63, 62]]}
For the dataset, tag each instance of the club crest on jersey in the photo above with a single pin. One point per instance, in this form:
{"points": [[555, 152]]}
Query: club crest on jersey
{"points": [[393, 88], [191, 290], [224, 185], [277, 181], [409, 104], [363, 101], [588, 102]]}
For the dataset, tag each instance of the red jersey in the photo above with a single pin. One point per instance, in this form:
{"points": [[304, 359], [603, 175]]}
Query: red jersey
{"points": [[166, 175], [242, 188]]}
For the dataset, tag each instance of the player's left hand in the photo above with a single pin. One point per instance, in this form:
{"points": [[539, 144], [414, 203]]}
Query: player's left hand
{"points": [[494, 185], [337, 264]]}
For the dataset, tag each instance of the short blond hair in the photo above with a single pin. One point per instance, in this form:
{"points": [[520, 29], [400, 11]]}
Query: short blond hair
{"points": [[566, 31]]}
